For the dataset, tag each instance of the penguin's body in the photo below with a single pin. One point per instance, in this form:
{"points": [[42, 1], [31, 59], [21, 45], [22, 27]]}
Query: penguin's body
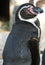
{"points": [[22, 46], [43, 58]]}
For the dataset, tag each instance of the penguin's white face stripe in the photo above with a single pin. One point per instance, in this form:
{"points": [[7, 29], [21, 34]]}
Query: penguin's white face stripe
{"points": [[28, 20], [24, 7]]}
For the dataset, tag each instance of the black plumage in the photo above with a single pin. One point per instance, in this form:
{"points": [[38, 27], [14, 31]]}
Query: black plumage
{"points": [[22, 44], [43, 58]]}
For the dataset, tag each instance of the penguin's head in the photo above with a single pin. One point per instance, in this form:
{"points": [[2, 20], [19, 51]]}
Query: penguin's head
{"points": [[27, 11]]}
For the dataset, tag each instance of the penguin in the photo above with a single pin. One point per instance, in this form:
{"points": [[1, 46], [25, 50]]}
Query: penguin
{"points": [[43, 58], [22, 44]]}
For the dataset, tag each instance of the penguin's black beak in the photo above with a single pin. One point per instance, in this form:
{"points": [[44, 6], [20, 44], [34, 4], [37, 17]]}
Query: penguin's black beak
{"points": [[38, 10]]}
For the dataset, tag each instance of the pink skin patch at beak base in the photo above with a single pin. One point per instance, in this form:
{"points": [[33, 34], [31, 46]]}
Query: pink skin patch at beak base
{"points": [[30, 9]]}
